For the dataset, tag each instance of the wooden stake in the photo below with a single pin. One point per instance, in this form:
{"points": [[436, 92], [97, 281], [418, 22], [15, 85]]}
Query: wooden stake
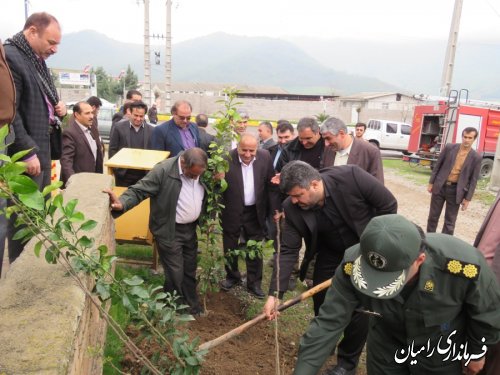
{"points": [[242, 328]]}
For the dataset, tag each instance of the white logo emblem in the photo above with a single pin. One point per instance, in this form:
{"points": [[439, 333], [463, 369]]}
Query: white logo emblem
{"points": [[377, 260]]}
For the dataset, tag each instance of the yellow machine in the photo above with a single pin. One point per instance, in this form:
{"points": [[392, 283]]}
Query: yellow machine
{"points": [[133, 226]]}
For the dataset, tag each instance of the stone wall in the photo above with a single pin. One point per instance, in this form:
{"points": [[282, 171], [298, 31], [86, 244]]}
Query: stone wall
{"points": [[47, 324]]}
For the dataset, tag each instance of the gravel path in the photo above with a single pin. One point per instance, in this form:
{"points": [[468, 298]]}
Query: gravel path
{"points": [[414, 201]]}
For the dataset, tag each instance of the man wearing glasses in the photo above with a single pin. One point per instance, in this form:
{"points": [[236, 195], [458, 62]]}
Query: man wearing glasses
{"points": [[177, 134]]}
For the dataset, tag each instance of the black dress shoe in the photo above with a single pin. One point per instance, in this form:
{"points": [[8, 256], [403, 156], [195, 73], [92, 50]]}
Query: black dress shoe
{"points": [[339, 370], [256, 291], [228, 284]]}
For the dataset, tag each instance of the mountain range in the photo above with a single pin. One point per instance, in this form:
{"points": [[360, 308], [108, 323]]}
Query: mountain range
{"points": [[298, 65]]}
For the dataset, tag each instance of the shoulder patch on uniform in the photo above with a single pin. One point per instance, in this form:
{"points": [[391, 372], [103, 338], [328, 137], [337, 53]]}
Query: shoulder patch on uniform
{"points": [[347, 268], [429, 286], [464, 269]]}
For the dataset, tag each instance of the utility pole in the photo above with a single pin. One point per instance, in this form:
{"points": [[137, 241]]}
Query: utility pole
{"points": [[147, 57], [26, 9], [449, 61], [168, 58]]}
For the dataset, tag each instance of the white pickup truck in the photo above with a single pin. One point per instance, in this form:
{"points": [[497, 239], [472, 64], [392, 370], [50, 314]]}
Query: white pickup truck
{"points": [[388, 134]]}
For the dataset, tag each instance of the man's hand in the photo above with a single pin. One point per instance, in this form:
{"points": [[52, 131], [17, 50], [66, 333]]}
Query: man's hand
{"points": [[465, 204], [429, 188], [269, 308], [276, 179], [474, 367], [220, 176], [114, 202], [60, 109], [33, 166], [278, 216]]}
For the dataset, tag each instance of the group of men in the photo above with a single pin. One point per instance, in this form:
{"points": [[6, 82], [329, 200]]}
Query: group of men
{"points": [[423, 303]]}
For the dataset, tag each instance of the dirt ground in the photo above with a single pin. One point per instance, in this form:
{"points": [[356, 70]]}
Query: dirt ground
{"points": [[253, 352]]}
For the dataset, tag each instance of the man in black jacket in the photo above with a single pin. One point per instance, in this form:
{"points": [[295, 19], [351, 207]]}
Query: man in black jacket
{"points": [[329, 211], [308, 146]]}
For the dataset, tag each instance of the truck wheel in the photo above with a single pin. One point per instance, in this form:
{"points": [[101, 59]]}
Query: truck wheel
{"points": [[486, 168], [374, 143]]}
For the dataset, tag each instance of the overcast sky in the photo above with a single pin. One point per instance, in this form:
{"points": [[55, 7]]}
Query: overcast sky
{"points": [[381, 20]]}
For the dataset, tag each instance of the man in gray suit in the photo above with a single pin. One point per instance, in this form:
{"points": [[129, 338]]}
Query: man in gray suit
{"points": [[38, 107], [130, 133], [266, 135], [453, 181], [82, 151], [349, 150]]}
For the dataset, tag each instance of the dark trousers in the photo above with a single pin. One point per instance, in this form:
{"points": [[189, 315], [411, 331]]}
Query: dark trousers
{"points": [[16, 247], [179, 261], [351, 345], [250, 229], [448, 194]]}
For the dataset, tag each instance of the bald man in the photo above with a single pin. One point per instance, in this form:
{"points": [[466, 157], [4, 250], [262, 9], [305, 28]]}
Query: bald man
{"points": [[247, 199]]}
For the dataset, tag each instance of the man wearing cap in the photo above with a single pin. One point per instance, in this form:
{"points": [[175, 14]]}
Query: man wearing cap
{"points": [[436, 300], [328, 210]]}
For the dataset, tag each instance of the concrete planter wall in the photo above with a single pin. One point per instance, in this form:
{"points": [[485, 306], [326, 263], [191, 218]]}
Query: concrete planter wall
{"points": [[47, 324]]}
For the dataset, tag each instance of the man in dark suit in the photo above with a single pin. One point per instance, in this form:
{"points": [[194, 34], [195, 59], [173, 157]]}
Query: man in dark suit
{"points": [[349, 150], [38, 107], [81, 151], [131, 96], [329, 211], [205, 138], [308, 146], [285, 133], [177, 134], [265, 130], [130, 133], [453, 181], [246, 200]]}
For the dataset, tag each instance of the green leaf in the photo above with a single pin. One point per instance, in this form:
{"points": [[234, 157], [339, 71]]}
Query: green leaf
{"points": [[70, 207], [133, 281], [14, 169], [192, 361], [5, 158], [76, 217], [22, 184], [4, 131], [103, 290], [126, 303], [52, 254], [19, 155], [22, 233], [139, 291], [50, 188], [58, 201], [88, 225], [38, 247], [85, 242], [103, 249], [223, 185], [34, 200]]}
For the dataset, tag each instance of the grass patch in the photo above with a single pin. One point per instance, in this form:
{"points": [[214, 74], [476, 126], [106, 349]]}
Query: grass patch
{"points": [[415, 173], [133, 251], [421, 175], [114, 348]]}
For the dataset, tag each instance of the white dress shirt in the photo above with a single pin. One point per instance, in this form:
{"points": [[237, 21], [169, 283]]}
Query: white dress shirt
{"points": [[248, 182], [190, 199], [342, 156], [88, 135]]}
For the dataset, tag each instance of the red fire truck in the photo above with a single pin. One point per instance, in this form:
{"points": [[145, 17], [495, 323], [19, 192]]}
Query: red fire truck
{"points": [[435, 125]]}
